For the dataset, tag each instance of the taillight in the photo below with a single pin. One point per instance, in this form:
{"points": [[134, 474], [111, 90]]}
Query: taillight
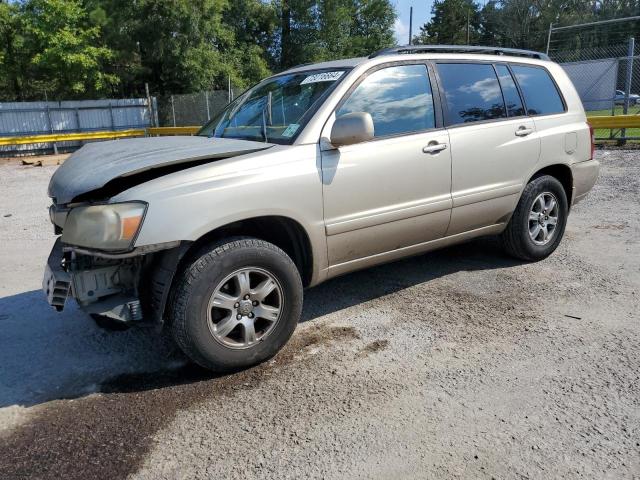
{"points": [[593, 141]]}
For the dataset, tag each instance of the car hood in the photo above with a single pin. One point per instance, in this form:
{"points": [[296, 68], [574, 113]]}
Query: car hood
{"points": [[121, 164]]}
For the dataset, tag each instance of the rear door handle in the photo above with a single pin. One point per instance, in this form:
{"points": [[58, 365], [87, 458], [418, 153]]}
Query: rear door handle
{"points": [[434, 147], [524, 131]]}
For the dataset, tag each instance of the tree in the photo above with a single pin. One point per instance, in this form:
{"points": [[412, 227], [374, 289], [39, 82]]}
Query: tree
{"points": [[67, 61], [373, 27], [255, 26], [298, 41], [315, 30], [13, 63], [97, 48], [454, 22]]}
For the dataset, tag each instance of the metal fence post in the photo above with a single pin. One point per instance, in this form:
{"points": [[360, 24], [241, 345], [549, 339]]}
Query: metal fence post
{"points": [[628, 79], [156, 120], [113, 122], [206, 99], [549, 37], [173, 111], [150, 106], [55, 145]]}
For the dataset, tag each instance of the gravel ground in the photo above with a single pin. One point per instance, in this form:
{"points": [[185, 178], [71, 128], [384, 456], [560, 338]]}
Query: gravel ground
{"points": [[457, 364]]}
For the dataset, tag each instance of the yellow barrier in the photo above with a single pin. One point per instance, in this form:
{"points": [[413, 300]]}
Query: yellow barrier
{"points": [[74, 137], [617, 121], [71, 137], [172, 130]]}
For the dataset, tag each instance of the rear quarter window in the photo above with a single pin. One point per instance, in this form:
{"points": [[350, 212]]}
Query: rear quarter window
{"points": [[540, 92]]}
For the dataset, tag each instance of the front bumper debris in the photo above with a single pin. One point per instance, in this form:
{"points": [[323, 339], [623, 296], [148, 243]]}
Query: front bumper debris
{"points": [[104, 287], [56, 282]]}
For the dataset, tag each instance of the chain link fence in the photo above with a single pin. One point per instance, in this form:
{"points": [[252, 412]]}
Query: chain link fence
{"points": [[603, 62], [192, 109], [608, 86]]}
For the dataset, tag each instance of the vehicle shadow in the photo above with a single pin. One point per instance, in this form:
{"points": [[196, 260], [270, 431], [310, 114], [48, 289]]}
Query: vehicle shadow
{"points": [[359, 287], [45, 355]]}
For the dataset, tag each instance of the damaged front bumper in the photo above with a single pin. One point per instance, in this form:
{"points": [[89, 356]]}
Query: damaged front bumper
{"points": [[127, 286], [102, 286]]}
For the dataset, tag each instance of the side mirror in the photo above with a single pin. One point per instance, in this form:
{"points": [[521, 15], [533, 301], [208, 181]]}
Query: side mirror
{"points": [[352, 128]]}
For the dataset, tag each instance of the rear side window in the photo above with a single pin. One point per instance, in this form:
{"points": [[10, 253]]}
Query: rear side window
{"points": [[472, 92], [540, 93], [510, 91], [398, 98]]}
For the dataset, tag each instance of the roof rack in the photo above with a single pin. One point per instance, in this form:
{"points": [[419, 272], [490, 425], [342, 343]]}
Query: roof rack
{"points": [[407, 49]]}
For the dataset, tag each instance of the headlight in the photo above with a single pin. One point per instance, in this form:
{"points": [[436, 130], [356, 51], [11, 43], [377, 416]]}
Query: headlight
{"points": [[105, 227]]}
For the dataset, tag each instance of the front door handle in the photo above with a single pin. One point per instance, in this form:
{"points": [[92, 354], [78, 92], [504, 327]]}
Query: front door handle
{"points": [[523, 131], [434, 147]]}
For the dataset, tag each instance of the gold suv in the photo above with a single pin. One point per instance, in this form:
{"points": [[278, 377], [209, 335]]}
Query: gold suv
{"points": [[316, 172]]}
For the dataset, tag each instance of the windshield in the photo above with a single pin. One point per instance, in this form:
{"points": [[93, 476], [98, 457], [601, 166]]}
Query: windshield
{"points": [[276, 109]]}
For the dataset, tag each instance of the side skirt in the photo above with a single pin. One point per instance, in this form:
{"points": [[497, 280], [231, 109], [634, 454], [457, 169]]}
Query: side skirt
{"points": [[366, 262]]}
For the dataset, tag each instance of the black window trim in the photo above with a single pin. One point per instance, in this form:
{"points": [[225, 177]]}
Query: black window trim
{"points": [[445, 107], [435, 95], [504, 99]]}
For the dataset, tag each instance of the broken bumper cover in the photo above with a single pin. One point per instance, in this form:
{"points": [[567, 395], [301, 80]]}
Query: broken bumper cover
{"points": [[106, 289], [56, 282]]}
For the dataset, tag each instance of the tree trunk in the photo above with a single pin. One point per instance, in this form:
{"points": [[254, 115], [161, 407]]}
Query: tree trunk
{"points": [[285, 37]]}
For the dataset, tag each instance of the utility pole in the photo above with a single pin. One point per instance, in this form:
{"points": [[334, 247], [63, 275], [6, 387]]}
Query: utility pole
{"points": [[410, 25], [468, 22]]}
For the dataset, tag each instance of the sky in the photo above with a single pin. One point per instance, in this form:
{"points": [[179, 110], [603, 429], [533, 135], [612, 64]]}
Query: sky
{"points": [[421, 13]]}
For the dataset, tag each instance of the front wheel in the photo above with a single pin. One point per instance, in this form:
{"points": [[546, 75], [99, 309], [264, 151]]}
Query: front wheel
{"points": [[538, 222], [236, 304]]}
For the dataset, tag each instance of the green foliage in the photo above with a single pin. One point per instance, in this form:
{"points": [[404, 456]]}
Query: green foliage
{"points": [[66, 55], [12, 61], [330, 29], [520, 23], [452, 23], [100, 48]]}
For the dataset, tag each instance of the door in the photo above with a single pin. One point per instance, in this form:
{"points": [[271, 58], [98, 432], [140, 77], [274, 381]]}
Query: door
{"points": [[393, 191], [494, 145]]}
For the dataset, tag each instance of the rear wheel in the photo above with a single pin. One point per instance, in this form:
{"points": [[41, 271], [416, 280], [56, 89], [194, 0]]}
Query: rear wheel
{"points": [[236, 304], [538, 222]]}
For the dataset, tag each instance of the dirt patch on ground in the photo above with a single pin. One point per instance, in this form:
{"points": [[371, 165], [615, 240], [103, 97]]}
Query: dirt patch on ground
{"points": [[108, 435], [373, 347], [462, 363]]}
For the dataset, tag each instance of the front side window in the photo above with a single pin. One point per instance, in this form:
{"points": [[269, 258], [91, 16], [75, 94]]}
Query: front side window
{"points": [[399, 100], [472, 92], [276, 109], [510, 92], [540, 93]]}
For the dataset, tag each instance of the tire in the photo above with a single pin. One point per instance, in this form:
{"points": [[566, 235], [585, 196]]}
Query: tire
{"points": [[517, 238], [200, 327]]}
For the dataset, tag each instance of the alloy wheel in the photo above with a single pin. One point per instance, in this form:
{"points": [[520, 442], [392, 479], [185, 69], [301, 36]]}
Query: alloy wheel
{"points": [[245, 307]]}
